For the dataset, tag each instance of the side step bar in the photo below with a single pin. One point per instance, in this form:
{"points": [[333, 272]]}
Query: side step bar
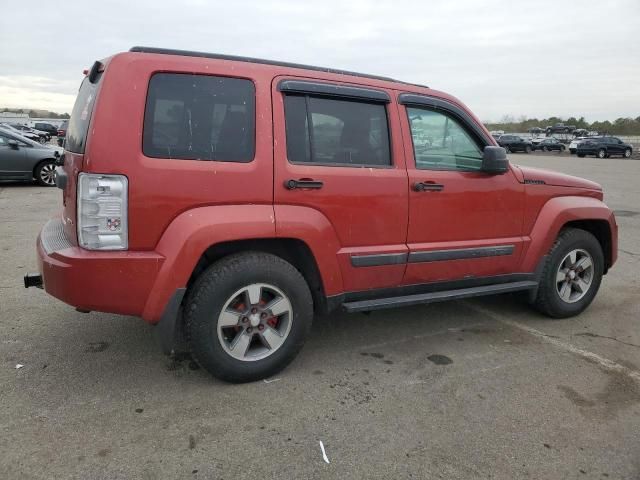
{"points": [[407, 300]]}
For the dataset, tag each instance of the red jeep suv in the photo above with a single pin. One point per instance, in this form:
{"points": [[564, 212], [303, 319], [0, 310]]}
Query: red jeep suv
{"points": [[228, 199]]}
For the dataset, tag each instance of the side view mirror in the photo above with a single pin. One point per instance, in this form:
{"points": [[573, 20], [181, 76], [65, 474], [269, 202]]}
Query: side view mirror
{"points": [[494, 160], [13, 144]]}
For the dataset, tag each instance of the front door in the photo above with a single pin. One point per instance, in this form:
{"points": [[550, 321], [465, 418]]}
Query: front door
{"points": [[463, 223], [339, 168]]}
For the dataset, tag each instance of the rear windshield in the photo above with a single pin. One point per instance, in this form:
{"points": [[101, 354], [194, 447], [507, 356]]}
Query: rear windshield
{"points": [[81, 115], [199, 117]]}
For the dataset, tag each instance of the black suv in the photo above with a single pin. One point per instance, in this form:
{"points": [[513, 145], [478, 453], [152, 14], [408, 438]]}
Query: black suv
{"points": [[603, 147], [549, 144], [514, 143], [46, 127]]}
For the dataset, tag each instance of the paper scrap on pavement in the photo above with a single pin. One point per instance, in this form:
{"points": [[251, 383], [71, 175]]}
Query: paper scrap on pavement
{"points": [[324, 454], [270, 381], [19, 365]]}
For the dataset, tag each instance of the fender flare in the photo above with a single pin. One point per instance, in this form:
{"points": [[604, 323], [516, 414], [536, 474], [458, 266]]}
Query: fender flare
{"points": [[190, 234], [313, 228], [554, 215]]}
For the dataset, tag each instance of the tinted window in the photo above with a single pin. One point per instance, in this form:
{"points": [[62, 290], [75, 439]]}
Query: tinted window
{"points": [[329, 131], [199, 117], [81, 115], [441, 143]]}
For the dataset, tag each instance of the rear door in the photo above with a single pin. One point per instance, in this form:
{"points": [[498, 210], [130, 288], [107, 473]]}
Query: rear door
{"points": [[463, 223], [338, 152], [12, 160]]}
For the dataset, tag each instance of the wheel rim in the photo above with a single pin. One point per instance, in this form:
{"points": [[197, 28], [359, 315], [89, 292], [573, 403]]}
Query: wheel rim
{"points": [[255, 322], [601, 154], [48, 174], [507, 149], [627, 153], [574, 276]]}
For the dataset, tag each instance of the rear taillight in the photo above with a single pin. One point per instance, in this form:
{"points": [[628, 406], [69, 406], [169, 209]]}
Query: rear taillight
{"points": [[102, 211]]}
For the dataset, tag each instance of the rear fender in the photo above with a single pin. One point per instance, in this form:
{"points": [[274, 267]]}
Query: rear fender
{"points": [[558, 212], [314, 229], [190, 234]]}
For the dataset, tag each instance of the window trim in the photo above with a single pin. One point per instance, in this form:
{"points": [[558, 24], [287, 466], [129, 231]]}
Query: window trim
{"points": [[306, 96], [333, 90], [173, 72], [433, 104]]}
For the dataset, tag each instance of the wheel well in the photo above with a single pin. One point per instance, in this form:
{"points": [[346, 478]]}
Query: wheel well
{"points": [[35, 168], [599, 229], [294, 251]]}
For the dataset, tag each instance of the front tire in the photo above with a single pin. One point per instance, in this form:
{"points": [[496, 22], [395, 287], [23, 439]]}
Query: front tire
{"points": [[602, 153], [527, 149], [627, 153], [45, 174], [571, 275], [247, 316]]}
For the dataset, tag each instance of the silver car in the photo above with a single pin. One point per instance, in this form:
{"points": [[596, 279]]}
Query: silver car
{"points": [[24, 159]]}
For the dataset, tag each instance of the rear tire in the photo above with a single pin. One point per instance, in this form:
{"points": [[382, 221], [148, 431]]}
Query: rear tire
{"points": [[527, 149], [581, 155], [230, 306], [507, 149], [602, 153], [571, 275]]}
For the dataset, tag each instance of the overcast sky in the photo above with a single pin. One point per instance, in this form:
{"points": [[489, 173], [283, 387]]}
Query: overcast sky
{"points": [[536, 58]]}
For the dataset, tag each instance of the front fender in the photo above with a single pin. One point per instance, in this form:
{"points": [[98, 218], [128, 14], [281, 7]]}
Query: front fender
{"points": [[190, 234], [556, 213]]}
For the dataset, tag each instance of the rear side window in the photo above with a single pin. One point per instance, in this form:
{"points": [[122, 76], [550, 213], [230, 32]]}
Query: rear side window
{"points": [[199, 117], [81, 115], [327, 131]]}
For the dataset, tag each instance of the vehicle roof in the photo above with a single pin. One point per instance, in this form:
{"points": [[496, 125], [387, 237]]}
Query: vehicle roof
{"points": [[220, 56]]}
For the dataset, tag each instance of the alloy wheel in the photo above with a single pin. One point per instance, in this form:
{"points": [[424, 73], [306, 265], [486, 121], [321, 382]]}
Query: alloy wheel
{"points": [[255, 321], [48, 174], [574, 276]]}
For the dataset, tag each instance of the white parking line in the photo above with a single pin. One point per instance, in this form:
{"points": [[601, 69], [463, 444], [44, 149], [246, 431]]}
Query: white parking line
{"points": [[593, 357]]}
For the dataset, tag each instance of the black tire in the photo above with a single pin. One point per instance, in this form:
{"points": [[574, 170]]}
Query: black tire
{"points": [[545, 149], [527, 149], [602, 153], [209, 294], [44, 173], [580, 155], [507, 149], [548, 300], [627, 153]]}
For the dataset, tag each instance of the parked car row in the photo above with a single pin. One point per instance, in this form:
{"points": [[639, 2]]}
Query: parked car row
{"points": [[600, 146]]}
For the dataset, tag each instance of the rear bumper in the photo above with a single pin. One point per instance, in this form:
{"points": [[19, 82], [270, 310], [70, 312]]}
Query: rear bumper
{"points": [[116, 282]]}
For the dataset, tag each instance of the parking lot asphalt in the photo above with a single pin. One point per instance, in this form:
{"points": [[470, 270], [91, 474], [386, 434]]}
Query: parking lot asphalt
{"points": [[463, 390]]}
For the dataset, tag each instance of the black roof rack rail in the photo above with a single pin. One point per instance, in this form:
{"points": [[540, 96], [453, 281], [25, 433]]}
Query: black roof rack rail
{"points": [[220, 56]]}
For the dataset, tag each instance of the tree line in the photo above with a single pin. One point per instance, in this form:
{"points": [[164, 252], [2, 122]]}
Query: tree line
{"points": [[33, 113], [620, 126]]}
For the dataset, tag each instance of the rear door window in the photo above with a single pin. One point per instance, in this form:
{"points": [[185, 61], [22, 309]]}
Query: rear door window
{"points": [[81, 115], [200, 117], [342, 133]]}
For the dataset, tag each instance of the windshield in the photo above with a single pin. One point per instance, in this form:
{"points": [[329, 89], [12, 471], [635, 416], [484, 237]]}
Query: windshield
{"points": [[81, 116]]}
